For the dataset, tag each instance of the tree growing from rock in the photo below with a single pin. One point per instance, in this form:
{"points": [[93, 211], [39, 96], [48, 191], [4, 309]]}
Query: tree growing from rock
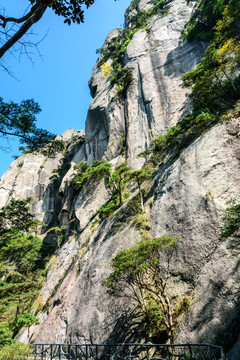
{"points": [[118, 180], [215, 81], [138, 275], [140, 176], [98, 170]]}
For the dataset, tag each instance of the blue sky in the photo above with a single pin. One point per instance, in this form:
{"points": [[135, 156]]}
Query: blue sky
{"points": [[58, 79]]}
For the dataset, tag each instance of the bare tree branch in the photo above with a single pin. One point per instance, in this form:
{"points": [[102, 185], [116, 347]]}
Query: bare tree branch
{"points": [[5, 133], [5, 20], [13, 29], [34, 16]]}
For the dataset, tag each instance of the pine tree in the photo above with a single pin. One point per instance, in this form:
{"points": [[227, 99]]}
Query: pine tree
{"points": [[118, 180], [140, 176]]}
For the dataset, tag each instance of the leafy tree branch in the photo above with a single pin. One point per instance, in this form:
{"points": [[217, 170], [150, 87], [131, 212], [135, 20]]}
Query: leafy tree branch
{"points": [[19, 120]]}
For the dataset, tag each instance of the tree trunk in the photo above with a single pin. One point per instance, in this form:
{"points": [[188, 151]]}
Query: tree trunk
{"points": [[230, 80], [141, 195]]}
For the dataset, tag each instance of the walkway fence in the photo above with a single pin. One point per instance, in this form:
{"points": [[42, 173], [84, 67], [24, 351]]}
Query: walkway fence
{"points": [[127, 352]]}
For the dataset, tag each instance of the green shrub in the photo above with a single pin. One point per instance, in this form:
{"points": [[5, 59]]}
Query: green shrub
{"points": [[25, 319], [180, 135], [15, 351], [98, 170], [203, 20], [139, 19], [107, 209], [215, 82], [115, 50], [123, 78], [137, 275], [231, 220], [5, 334], [22, 258], [23, 250]]}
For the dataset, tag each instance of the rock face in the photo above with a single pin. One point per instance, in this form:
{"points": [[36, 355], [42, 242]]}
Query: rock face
{"points": [[156, 100], [29, 176], [189, 197], [189, 202]]}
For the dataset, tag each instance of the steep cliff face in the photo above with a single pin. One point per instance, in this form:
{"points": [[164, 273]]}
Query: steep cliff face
{"points": [[186, 198], [155, 101]]}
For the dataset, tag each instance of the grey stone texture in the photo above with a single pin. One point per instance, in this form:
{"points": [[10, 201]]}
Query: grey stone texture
{"points": [[188, 200]]}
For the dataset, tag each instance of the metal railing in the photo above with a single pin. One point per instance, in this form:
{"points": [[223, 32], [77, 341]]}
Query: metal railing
{"points": [[127, 352]]}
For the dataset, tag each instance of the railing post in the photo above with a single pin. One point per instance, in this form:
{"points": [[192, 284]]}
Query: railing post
{"points": [[147, 354], [190, 350], [96, 358], [51, 351], [68, 350], [210, 353], [168, 354], [223, 356]]}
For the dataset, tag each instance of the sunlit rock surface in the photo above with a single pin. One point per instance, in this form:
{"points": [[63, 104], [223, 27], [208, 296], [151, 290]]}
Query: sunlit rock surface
{"points": [[188, 199]]}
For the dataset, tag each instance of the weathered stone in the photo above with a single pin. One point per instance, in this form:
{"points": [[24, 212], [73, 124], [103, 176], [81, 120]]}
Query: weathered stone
{"points": [[89, 200], [189, 202], [156, 100], [80, 309], [190, 197]]}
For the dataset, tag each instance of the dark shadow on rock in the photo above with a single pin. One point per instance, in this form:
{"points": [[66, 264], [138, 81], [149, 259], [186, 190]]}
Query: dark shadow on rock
{"points": [[227, 332], [185, 57], [128, 328], [97, 131]]}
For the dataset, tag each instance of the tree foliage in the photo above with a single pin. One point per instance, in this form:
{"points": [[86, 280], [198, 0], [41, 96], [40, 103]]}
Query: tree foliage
{"points": [[231, 221], [118, 180], [106, 70], [138, 274], [15, 217], [22, 250], [98, 170], [21, 262], [216, 81], [14, 29], [16, 351], [19, 120], [204, 17], [179, 136], [140, 176]]}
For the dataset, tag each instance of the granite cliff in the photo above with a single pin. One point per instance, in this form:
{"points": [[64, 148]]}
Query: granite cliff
{"points": [[186, 198]]}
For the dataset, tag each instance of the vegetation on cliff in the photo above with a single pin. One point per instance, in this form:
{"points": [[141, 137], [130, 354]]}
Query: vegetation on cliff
{"points": [[22, 262], [215, 85], [139, 275], [215, 82], [215, 88], [137, 19]]}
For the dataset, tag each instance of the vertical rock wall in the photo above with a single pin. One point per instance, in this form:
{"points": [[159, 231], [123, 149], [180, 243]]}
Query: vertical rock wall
{"points": [[188, 200]]}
